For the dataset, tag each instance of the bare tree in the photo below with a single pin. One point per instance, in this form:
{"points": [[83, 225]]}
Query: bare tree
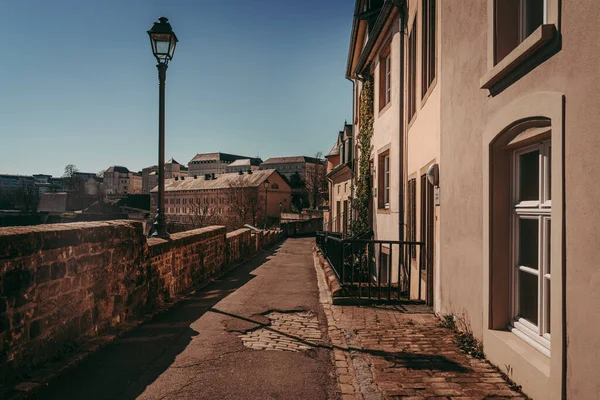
{"points": [[72, 181], [316, 182], [245, 205], [201, 215]]}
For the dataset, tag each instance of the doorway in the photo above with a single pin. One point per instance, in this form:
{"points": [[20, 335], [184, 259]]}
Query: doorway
{"points": [[427, 236]]}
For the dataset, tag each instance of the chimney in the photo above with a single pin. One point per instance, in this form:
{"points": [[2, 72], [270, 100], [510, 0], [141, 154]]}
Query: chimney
{"points": [[195, 176], [213, 176], [176, 178], [240, 172], [207, 177], [250, 172], [182, 177]]}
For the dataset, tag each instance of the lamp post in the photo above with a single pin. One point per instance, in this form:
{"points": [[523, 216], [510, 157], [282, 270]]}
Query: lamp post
{"points": [[163, 41], [266, 193]]}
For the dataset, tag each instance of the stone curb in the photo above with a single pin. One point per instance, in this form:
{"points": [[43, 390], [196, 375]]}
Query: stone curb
{"points": [[334, 287], [348, 387], [43, 377]]}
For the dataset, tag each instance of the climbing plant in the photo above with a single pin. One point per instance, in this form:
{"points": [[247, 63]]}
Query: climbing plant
{"points": [[360, 204]]}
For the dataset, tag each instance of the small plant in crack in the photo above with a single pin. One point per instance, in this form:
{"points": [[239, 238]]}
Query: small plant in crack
{"points": [[463, 335]]}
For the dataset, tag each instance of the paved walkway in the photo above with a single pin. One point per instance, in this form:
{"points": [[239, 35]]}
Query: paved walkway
{"points": [[268, 330], [258, 333], [402, 352]]}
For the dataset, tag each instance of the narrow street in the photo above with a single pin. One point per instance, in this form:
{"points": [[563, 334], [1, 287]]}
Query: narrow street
{"points": [[268, 330], [194, 351]]}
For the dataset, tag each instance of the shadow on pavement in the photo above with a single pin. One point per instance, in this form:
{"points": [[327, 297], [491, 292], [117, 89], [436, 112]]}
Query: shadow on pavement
{"points": [[124, 368], [399, 359]]}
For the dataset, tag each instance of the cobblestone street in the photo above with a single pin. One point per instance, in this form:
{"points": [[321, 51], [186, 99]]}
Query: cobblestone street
{"points": [[402, 352], [268, 330]]}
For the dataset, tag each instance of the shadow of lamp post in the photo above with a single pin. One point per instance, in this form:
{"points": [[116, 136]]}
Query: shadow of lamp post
{"points": [[163, 41]]}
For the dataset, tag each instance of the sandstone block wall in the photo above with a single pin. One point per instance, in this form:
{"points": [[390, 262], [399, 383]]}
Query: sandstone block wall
{"points": [[63, 284]]}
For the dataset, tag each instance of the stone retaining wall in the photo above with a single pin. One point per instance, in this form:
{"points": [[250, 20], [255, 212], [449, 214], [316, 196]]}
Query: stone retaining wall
{"points": [[63, 284]]}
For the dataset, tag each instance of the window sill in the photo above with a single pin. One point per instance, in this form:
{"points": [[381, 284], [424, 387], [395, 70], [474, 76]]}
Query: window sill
{"points": [[384, 109], [428, 92], [383, 211], [520, 347], [535, 41]]}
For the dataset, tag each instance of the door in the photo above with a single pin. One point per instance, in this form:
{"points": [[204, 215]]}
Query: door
{"points": [[338, 209], [345, 218], [427, 236]]}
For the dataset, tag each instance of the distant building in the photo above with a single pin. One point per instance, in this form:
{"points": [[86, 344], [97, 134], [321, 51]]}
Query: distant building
{"points": [[214, 163], [12, 182], [339, 174], [150, 177], [244, 165], [288, 166], [190, 199], [119, 180]]}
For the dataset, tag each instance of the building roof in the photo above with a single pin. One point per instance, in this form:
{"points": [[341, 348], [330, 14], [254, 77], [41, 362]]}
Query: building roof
{"points": [[172, 161], [221, 181], [16, 176], [245, 162], [219, 157], [53, 202], [117, 168], [293, 159]]}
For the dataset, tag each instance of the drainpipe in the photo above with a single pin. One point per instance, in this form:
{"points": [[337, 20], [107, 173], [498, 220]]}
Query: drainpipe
{"points": [[401, 5], [352, 150], [330, 205]]}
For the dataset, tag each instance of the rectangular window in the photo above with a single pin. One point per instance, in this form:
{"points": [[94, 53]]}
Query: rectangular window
{"points": [[411, 218], [428, 45], [531, 243], [383, 171], [385, 77], [412, 72], [528, 14]]}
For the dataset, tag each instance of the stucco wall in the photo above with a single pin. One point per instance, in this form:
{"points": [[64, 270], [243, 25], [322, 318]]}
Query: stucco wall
{"points": [[466, 112]]}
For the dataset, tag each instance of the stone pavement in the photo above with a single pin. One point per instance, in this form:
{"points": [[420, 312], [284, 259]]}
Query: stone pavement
{"points": [[402, 352], [200, 348]]}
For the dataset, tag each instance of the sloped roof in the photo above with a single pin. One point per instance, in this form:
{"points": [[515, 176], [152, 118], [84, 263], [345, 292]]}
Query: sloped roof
{"points": [[219, 157], [293, 159], [53, 202], [245, 162], [221, 181], [117, 168], [172, 161]]}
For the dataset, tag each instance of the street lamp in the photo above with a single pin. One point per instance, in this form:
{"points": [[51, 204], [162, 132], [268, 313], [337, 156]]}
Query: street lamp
{"points": [[163, 41], [266, 193]]}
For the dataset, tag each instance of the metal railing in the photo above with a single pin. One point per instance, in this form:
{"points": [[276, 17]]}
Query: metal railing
{"points": [[373, 269], [339, 224]]}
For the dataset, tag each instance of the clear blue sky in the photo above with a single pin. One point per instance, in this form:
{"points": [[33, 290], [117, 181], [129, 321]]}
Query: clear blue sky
{"points": [[78, 82]]}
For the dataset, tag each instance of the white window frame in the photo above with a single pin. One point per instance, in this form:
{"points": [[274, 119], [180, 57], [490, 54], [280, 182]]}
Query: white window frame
{"points": [[388, 78], [540, 210], [386, 181]]}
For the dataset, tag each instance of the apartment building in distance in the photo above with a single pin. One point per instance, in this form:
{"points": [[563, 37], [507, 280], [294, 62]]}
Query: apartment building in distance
{"points": [[150, 177], [226, 198], [339, 178], [214, 163], [483, 139], [288, 166], [119, 180]]}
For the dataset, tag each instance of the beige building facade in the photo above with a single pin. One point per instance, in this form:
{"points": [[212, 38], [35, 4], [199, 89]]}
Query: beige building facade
{"points": [[339, 177], [150, 177], [119, 180], [222, 199], [482, 145]]}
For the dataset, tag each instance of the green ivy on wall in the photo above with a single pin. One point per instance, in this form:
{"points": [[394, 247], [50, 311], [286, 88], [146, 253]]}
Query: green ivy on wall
{"points": [[361, 223]]}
